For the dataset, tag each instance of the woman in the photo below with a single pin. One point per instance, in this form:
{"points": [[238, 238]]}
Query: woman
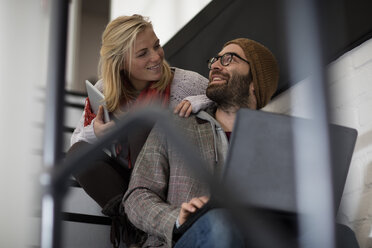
{"points": [[133, 71]]}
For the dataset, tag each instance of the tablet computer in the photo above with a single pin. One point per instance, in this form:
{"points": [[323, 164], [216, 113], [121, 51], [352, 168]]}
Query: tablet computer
{"points": [[96, 98]]}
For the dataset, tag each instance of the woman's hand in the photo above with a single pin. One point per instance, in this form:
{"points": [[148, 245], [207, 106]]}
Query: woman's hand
{"points": [[187, 208], [99, 126], [183, 109]]}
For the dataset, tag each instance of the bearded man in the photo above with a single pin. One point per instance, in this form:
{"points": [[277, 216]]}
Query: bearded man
{"points": [[163, 192]]}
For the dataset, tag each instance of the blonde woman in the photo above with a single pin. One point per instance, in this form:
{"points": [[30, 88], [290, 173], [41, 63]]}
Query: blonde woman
{"points": [[133, 71]]}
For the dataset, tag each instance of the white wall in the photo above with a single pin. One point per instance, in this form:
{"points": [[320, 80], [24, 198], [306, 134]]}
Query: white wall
{"points": [[22, 69], [350, 88], [167, 16]]}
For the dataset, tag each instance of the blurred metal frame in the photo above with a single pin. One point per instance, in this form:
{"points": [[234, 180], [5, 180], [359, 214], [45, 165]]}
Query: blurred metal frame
{"points": [[51, 203], [305, 51]]}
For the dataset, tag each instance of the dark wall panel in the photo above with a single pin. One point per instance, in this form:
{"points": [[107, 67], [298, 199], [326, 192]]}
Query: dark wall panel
{"points": [[345, 24]]}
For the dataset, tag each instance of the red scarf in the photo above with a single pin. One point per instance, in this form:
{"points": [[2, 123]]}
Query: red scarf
{"points": [[150, 96], [89, 115]]}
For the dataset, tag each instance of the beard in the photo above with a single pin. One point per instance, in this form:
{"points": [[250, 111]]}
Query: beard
{"points": [[232, 94]]}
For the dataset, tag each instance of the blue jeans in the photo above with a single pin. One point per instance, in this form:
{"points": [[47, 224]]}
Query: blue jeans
{"points": [[214, 229]]}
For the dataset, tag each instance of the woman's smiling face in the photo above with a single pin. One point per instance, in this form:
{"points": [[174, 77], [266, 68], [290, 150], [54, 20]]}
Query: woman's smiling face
{"points": [[147, 59]]}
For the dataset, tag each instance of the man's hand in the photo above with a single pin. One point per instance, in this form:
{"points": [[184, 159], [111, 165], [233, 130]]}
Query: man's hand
{"points": [[183, 109], [190, 207], [99, 126]]}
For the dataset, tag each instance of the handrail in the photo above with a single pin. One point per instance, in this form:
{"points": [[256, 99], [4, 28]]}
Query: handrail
{"points": [[50, 221], [305, 51]]}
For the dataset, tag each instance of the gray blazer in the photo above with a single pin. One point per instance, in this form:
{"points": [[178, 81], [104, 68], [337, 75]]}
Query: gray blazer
{"points": [[161, 181]]}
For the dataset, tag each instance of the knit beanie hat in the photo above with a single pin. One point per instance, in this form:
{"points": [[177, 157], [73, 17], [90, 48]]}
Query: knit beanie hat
{"points": [[263, 66]]}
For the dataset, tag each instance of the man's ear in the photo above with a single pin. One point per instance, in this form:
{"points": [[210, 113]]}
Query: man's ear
{"points": [[252, 100]]}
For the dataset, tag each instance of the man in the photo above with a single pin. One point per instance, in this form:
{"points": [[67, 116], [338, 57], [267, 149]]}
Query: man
{"points": [[163, 192]]}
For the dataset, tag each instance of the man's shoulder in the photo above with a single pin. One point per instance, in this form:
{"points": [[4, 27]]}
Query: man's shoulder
{"points": [[184, 122], [177, 122], [189, 126], [194, 120]]}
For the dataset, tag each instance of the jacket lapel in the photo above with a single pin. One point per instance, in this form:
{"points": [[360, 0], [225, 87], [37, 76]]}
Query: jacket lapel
{"points": [[205, 140]]}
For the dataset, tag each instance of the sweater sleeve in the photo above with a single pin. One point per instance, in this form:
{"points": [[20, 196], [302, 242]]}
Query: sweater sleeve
{"points": [[145, 200], [82, 133], [191, 86], [199, 102]]}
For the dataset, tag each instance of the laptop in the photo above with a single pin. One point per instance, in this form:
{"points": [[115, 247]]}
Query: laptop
{"points": [[264, 141], [260, 162]]}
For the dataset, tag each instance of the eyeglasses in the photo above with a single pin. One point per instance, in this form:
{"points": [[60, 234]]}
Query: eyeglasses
{"points": [[224, 59]]}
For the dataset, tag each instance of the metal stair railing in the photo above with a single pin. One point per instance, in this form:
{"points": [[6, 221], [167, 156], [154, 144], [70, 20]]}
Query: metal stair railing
{"points": [[51, 205], [305, 52]]}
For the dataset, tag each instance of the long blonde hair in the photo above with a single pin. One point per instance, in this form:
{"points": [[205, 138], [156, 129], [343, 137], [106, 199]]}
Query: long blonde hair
{"points": [[117, 41]]}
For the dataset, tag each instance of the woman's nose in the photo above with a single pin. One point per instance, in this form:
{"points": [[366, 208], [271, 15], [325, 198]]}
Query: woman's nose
{"points": [[155, 55]]}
